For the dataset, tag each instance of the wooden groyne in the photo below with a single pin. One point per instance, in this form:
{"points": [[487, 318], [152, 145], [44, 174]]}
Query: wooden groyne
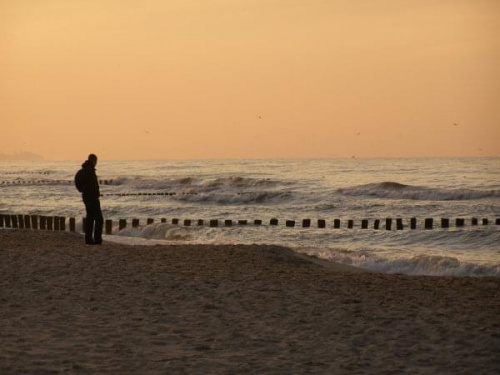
{"points": [[61, 223], [27, 172], [18, 182]]}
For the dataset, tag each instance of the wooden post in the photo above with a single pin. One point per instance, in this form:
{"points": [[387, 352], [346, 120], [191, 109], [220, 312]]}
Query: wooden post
{"points": [[306, 223], [273, 222], [109, 226], [50, 221], [350, 224], [214, 223], [135, 223], [14, 221], [242, 222], [187, 223], [290, 223], [72, 224], [43, 222], [445, 223], [388, 223], [459, 222], [1, 221], [175, 221], [399, 224], [336, 223], [27, 221], [163, 220], [62, 223], [376, 224], [429, 223], [485, 221], [474, 221], [34, 221], [20, 219], [122, 223], [257, 222], [413, 223], [200, 222], [364, 224], [150, 221], [228, 223]]}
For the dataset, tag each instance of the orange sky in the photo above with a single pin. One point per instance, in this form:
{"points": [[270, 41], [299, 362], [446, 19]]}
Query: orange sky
{"points": [[160, 79]]}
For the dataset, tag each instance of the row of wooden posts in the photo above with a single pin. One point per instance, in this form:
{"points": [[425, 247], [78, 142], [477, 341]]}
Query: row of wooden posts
{"points": [[27, 172], [105, 182], [30, 182], [58, 223]]}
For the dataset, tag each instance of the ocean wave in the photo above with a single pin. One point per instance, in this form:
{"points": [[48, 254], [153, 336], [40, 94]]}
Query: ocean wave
{"points": [[200, 184], [258, 197], [430, 265], [165, 232], [395, 190], [160, 232], [137, 183], [241, 182]]}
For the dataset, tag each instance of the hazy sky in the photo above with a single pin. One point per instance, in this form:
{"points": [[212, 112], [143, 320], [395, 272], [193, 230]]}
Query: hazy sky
{"points": [[249, 78]]}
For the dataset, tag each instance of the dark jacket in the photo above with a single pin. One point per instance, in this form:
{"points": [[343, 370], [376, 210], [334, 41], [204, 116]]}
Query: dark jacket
{"points": [[91, 184]]}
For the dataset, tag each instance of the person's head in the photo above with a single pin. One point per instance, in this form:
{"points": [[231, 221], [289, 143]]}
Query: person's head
{"points": [[93, 159]]}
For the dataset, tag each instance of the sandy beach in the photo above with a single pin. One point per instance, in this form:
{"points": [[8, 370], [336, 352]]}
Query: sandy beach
{"points": [[178, 309]]}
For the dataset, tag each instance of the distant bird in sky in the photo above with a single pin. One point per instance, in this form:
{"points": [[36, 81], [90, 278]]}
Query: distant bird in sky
{"points": [[455, 124], [358, 133], [260, 117], [146, 131]]}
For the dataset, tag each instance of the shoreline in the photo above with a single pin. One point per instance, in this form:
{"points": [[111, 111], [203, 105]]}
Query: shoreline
{"points": [[246, 309]]}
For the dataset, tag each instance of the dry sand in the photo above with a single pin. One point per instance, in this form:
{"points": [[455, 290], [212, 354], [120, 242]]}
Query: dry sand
{"points": [[116, 309]]}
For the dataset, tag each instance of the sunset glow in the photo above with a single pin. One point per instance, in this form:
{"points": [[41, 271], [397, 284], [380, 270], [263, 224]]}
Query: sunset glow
{"points": [[204, 79]]}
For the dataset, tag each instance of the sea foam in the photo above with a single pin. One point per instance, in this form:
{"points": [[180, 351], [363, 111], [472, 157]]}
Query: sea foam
{"points": [[395, 190], [431, 265]]}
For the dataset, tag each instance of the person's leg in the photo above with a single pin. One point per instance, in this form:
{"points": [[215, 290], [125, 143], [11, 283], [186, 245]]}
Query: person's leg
{"points": [[99, 220], [89, 225]]}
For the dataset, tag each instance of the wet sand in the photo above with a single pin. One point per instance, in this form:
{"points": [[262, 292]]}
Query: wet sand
{"points": [[192, 309]]}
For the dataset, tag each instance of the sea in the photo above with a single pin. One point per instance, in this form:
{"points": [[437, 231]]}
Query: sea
{"points": [[290, 191]]}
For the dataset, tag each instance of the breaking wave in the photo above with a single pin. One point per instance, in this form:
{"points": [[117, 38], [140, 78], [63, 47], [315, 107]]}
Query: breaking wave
{"points": [[258, 197], [159, 232], [241, 182], [395, 190], [201, 184], [430, 265]]}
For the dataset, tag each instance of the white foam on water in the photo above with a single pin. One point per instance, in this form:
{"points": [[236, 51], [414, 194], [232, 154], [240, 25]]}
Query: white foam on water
{"points": [[431, 265], [164, 233], [395, 190]]}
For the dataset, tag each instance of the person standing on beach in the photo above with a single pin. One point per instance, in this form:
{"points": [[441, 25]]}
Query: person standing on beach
{"points": [[87, 183]]}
